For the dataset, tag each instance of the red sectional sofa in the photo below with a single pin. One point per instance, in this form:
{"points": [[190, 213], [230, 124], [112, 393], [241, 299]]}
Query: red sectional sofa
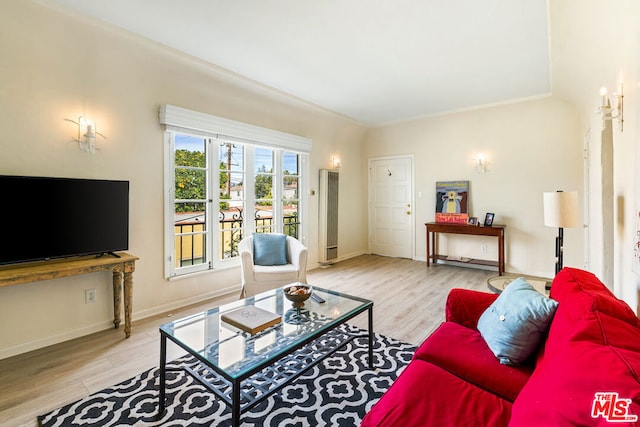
{"points": [[585, 373]]}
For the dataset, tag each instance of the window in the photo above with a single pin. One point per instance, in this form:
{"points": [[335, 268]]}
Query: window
{"points": [[232, 203], [290, 194], [221, 186], [190, 199]]}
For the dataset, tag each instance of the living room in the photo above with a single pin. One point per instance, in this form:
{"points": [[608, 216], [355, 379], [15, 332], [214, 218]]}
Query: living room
{"points": [[58, 65]]}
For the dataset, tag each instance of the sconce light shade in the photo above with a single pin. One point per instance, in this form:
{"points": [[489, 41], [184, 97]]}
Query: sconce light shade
{"points": [[481, 166], [561, 209], [87, 132], [607, 111], [335, 163]]}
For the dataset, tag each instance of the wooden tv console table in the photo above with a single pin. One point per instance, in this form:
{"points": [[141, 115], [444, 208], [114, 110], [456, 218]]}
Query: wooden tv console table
{"points": [[122, 269], [434, 228]]}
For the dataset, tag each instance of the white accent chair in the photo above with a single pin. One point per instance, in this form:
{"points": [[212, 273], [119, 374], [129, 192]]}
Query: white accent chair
{"points": [[259, 278]]}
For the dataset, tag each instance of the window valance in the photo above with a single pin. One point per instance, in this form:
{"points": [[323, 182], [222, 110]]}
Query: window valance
{"points": [[184, 120]]}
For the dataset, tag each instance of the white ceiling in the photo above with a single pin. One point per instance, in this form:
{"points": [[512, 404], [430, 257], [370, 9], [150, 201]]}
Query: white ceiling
{"points": [[375, 61]]}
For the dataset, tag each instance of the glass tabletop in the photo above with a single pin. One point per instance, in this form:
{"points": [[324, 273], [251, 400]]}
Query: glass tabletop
{"points": [[499, 283], [235, 352]]}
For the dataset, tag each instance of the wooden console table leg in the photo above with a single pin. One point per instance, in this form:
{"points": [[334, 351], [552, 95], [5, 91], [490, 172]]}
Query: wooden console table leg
{"points": [[128, 301], [428, 249], [117, 297], [501, 255], [434, 247]]}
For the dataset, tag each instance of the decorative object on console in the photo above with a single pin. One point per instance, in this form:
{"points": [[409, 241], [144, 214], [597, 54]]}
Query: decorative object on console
{"points": [[607, 112], [473, 220], [452, 201], [560, 210], [87, 132], [488, 219]]}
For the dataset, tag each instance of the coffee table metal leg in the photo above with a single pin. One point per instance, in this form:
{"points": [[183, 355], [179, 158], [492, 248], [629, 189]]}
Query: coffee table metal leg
{"points": [[163, 379], [235, 404], [371, 337]]}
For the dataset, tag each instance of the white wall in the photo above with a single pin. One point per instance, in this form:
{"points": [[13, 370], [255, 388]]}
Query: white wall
{"points": [[595, 43], [55, 66], [532, 147]]}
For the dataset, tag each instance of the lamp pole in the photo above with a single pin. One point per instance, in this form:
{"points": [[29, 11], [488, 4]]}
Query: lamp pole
{"points": [[559, 249]]}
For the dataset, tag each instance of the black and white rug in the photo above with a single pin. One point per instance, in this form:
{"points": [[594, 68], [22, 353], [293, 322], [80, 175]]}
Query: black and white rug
{"points": [[337, 392]]}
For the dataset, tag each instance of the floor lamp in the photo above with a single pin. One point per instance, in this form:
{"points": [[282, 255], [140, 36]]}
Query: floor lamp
{"points": [[561, 210]]}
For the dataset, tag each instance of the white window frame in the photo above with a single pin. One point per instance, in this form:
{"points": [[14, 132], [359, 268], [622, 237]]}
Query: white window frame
{"points": [[217, 129]]}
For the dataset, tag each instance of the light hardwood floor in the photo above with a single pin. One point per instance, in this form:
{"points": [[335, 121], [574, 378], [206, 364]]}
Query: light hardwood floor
{"points": [[408, 305]]}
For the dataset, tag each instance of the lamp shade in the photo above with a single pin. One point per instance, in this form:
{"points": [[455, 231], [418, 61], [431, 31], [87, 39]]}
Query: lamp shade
{"points": [[561, 209]]}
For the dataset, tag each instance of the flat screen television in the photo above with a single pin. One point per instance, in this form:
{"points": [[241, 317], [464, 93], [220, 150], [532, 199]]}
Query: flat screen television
{"points": [[45, 218]]}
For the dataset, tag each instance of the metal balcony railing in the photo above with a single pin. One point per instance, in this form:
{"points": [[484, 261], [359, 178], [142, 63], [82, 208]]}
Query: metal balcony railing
{"points": [[190, 235]]}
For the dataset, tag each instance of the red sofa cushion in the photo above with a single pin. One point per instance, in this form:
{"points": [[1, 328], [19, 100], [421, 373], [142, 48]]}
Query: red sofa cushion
{"points": [[586, 292], [593, 347], [426, 395], [450, 347], [465, 306], [562, 389]]}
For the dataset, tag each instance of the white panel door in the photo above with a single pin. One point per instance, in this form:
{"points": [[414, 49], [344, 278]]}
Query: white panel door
{"points": [[391, 206]]}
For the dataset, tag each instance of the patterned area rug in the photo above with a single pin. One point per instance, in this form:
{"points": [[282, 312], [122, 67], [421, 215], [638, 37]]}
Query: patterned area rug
{"points": [[337, 392]]}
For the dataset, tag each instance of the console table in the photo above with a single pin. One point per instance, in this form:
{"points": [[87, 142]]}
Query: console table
{"points": [[433, 228], [122, 269]]}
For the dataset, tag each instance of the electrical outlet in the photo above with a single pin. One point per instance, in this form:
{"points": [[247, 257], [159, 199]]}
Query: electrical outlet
{"points": [[484, 249], [89, 296]]}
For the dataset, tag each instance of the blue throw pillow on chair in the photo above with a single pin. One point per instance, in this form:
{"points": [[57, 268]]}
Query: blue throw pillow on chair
{"points": [[269, 249]]}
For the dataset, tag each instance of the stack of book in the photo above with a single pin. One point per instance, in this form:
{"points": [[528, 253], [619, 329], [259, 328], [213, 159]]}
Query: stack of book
{"points": [[251, 319]]}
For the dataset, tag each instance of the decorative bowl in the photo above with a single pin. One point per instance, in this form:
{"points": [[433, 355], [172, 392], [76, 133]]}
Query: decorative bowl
{"points": [[297, 293]]}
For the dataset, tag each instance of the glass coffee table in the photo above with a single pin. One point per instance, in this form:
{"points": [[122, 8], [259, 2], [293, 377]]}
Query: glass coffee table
{"points": [[498, 283], [226, 356]]}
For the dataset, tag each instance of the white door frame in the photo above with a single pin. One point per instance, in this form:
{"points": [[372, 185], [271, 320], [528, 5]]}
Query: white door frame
{"points": [[411, 159]]}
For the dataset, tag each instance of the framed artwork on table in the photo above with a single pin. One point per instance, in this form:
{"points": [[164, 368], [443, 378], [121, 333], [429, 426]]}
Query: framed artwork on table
{"points": [[488, 219], [452, 199], [473, 220]]}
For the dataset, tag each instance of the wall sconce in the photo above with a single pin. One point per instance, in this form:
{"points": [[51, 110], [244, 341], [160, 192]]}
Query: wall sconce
{"points": [[481, 163], [87, 132], [608, 112], [335, 163]]}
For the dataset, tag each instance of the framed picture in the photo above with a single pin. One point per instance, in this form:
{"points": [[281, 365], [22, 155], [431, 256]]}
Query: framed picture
{"points": [[452, 202], [473, 220], [488, 220]]}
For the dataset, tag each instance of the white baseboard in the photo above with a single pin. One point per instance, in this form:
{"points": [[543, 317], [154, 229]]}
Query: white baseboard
{"points": [[342, 258], [154, 311], [55, 339], [103, 326]]}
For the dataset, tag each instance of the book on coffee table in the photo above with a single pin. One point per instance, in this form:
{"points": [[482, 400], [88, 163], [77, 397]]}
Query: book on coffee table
{"points": [[251, 319]]}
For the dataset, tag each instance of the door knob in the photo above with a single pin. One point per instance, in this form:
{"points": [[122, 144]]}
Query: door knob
{"points": [[408, 212]]}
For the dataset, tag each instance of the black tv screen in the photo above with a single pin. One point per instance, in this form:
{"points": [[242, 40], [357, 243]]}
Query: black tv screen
{"points": [[45, 218]]}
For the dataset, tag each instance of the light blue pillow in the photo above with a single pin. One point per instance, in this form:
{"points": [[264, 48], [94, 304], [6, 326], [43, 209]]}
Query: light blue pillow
{"points": [[517, 322], [269, 249]]}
